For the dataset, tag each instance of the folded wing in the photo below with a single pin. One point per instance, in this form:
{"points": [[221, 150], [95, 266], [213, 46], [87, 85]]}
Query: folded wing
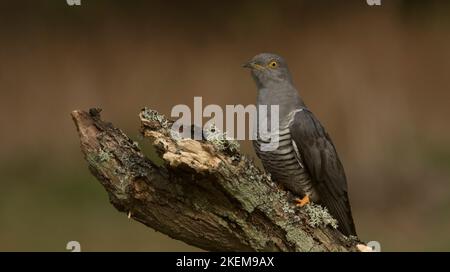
{"points": [[323, 164]]}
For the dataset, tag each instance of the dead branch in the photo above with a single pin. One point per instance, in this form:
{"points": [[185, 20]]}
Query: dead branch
{"points": [[206, 194]]}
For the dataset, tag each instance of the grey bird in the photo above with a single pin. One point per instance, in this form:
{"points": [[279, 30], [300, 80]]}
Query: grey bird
{"points": [[305, 161]]}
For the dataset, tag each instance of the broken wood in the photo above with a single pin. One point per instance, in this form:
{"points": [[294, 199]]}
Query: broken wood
{"points": [[205, 193]]}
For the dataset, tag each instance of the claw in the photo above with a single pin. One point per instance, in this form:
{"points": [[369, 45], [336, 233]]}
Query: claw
{"points": [[300, 202]]}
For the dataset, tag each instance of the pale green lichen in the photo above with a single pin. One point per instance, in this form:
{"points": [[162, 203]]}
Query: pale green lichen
{"points": [[103, 156], [289, 210], [220, 140], [99, 158], [319, 216], [153, 115], [176, 135], [351, 238], [299, 238]]}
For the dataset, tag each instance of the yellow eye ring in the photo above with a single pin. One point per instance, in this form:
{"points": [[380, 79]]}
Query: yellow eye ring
{"points": [[273, 64]]}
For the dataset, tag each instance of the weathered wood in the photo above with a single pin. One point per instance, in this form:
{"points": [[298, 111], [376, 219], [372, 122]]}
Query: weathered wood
{"points": [[204, 194]]}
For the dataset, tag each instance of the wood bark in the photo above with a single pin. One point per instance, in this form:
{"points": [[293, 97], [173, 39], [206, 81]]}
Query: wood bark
{"points": [[210, 197]]}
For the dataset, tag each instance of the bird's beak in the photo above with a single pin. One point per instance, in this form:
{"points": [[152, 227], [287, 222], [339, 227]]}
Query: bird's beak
{"points": [[248, 65], [252, 65]]}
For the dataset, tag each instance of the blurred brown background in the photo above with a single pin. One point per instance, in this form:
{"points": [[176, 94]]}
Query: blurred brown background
{"points": [[377, 77]]}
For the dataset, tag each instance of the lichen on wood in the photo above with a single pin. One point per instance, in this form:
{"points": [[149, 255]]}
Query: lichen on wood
{"points": [[207, 196]]}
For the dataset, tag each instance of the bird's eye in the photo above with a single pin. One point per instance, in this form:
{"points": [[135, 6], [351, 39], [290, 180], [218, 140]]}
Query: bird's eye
{"points": [[273, 64]]}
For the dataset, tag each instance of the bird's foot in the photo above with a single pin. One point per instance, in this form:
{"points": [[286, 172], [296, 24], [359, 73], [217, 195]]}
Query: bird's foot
{"points": [[300, 202]]}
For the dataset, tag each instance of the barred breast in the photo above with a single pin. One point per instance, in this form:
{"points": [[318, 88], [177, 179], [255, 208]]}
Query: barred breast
{"points": [[285, 164]]}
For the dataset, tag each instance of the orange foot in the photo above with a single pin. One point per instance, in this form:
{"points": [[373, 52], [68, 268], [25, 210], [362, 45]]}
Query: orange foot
{"points": [[300, 202]]}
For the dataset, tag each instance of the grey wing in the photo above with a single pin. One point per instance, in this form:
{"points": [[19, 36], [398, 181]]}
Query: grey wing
{"points": [[323, 164]]}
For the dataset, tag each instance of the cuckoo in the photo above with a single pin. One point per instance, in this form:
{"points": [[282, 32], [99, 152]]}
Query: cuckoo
{"points": [[305, 160]]}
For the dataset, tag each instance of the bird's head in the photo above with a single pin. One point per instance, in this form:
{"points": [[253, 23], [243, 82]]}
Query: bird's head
{"points": [[267, 68]]}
